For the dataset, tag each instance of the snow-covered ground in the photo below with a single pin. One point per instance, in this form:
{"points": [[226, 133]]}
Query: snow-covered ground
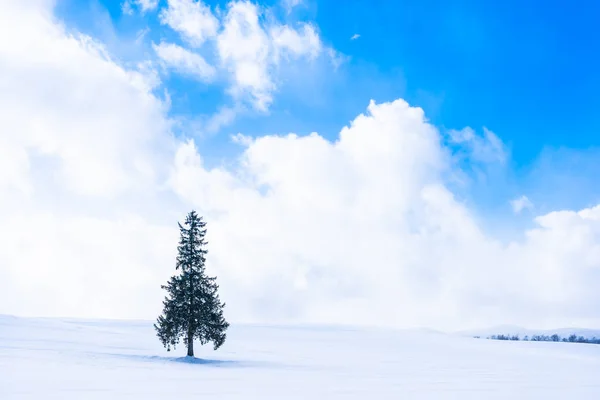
{"points": [[64, 359]]}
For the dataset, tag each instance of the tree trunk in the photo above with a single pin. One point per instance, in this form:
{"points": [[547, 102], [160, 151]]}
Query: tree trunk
{"points": [[190, 344]]}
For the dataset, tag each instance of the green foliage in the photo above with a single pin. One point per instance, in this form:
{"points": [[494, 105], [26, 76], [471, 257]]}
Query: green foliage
{"points": [[191, 309]]}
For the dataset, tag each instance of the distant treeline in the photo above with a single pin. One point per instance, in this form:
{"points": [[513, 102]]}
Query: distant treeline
{"points": [[546, 338]]}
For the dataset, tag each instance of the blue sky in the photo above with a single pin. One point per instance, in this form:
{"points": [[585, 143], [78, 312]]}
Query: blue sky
{"points": [[525, 70], [482, 207]]}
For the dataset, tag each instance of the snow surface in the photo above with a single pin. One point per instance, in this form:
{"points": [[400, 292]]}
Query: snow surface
{"points": [[72, 359]]}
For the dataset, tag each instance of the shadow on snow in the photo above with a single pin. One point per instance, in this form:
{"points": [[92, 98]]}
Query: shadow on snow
{"points": [[194, 361]]}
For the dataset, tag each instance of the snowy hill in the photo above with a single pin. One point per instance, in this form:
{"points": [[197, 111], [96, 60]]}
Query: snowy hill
{"points": [[70, 359]]}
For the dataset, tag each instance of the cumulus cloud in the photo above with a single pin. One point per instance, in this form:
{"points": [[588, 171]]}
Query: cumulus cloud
{"points": [[251, 51], [244, 49], [361, 229], [193, 20], [90, 148], [521, 203], [249, 47], [366, 226], [87, 144], [184, 61]]}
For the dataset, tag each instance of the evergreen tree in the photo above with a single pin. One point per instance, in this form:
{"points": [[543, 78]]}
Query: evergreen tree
{"points": [[192, 308]]}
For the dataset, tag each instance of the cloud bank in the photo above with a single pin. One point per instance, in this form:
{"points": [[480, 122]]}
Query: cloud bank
{"points": [[361, 230]]}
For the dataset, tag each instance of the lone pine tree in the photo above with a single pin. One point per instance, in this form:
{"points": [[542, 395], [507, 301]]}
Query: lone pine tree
{"points": [[192, 308]]}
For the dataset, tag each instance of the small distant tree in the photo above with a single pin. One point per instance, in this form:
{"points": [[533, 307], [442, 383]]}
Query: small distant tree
{"points": [[192, 308], [545, 338]]}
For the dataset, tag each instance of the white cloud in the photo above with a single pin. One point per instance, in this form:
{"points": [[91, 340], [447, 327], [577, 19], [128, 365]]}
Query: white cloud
{"points": [[141, 34], [127, 8], [223, 117], [192, 19], [336, 58], [289, 5], [88, 145], [147, 5], [418, 256], [520, 204], [355, 36], [486, 148], [295, 43], [244, 49], [249, 47], [106, 156], [184, 61], [363, 229], [252, 51]]}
